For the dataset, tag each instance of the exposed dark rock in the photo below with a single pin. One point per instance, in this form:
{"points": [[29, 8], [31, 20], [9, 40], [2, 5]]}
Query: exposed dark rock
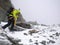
{"points": [[51, 41], [59, 25], [30, 40], [36, 42], [33, 31], [24, 25], [36, 36], [51, 36], [33, 23], [4, 6], [43, 42], [25, 34], [18, 28], [43, 25], [52, 30], [57, 34], [44, 36], [2, 34]]}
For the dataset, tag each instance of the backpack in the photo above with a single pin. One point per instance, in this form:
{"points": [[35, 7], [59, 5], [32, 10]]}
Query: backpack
{"points": [[9, 11]]}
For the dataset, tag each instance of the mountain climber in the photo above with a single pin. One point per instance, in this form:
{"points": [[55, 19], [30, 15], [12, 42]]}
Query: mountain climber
{"points": [[12, 17]]}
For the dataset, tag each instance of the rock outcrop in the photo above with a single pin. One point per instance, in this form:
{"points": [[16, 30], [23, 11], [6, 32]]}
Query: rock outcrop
{"points": [[4, 6]]}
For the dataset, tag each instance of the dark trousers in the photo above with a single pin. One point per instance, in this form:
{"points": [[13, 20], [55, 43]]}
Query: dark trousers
{"points": [[10, 22]]}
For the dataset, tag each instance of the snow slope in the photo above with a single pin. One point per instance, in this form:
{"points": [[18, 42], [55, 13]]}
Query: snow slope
{"points": [[41, 35]]}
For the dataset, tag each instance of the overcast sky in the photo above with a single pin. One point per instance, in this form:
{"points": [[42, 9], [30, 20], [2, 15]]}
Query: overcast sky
{"points": [[42, 11]]}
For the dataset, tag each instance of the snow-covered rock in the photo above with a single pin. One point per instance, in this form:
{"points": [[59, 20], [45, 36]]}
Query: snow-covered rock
{"points": [[41, 35]]}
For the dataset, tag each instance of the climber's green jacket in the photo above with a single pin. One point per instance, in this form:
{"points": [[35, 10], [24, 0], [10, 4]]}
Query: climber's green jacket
{"points": [[15, 14]]}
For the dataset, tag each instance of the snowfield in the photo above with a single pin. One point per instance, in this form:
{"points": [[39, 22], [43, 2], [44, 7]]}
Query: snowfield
{"points": [[38, 35]]}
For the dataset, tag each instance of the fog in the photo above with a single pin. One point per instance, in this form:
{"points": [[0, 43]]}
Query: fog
{"points": [[42, 11]]}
